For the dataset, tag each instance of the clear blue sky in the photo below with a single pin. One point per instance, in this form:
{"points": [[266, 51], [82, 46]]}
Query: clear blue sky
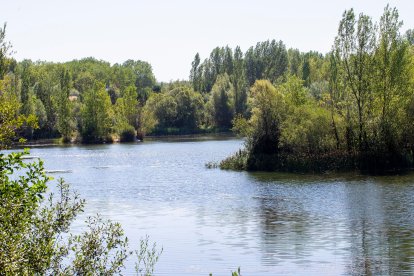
{"points": [[168, 33]]}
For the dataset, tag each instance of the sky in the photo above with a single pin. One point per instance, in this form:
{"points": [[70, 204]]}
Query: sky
{"points": [[168, 33]]}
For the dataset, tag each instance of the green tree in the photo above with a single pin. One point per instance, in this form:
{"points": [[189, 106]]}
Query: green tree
{"points": [[130, 105], [147, 119], [189, 107], [409, 36], [143, 76], [96, 115], [294, 61], [354, 47], [34, 107], [268, 111], [268, 60], [392, 78], [84, 82], [238, 79], [11, 121], [295, 91], [165, 109], [196, 73], [64, 123], [4, 51], [126, 114], [222, 102], [35, 236]]}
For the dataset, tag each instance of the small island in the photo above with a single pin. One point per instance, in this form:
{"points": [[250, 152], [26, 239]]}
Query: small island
{"points": [[352, 109]]}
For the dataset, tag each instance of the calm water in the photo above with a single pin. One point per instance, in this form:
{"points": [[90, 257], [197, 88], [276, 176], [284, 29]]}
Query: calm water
{"points": [[208, 220]]}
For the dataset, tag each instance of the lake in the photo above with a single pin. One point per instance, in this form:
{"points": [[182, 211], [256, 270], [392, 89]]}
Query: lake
{"points": [[213, 221]]}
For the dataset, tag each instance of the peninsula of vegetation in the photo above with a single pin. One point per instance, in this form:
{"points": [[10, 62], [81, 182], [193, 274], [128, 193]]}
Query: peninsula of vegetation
{"points": [[352, 108]]}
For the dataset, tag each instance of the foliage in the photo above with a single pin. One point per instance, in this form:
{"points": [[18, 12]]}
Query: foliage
{"points": [[127, 134], [355, 102], [222, 102], [147, 119], [236, 273], [268, 110], [268, 60], [64, 122], [4, 51], [147, 257], [233, 273], [34, 228], [351, 109], [102, 249], [189, 107], [55, 93], [179, 106], [11, 122], [34, 225], [409, 36], [96, 116]]}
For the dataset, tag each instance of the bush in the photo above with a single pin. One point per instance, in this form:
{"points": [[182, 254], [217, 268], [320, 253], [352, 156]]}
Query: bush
{"points": [[128, 134], [237, 161], [34, 228]]}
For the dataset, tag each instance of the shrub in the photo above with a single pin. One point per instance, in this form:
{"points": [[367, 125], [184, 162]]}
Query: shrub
{"points": [[34, 228], [128, 134]]}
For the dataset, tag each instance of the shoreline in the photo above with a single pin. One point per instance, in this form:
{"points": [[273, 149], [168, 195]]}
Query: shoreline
{"points": [[57, 141]]}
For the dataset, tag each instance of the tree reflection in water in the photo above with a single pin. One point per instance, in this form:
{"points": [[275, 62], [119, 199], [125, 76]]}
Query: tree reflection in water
{"points": [[354, 225]]}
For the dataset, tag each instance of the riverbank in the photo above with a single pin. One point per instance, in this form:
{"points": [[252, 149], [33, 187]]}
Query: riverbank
{"points": [[171, 137]]}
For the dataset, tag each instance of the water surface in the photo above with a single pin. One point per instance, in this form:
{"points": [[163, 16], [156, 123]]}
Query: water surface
{"points": [[212, 221]]}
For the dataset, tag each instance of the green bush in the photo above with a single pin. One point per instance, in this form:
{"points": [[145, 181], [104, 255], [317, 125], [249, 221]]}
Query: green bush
{"points": [[34, 228], [128, 134]]}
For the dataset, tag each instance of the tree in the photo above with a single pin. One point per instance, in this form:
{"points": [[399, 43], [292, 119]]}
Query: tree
{"points": [[35, 236], [306, 129], [222, 102], [268, 111], [238, 79], [294, 61], [96, 115], [268, 60], [354, 47], [147, 119], [228, 61], [143, 76], [196, 73], [11, 121], [189, 106], [409, 36], [34, 107], [64, 122], [130, 105], [165, 110], [126, 114], [4, 51], [84, 82], [392, 78], [294, 91]]}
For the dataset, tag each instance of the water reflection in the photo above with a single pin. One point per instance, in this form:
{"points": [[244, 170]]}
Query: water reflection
{"points": [[367, 224], [381, 229], [285, 230]]}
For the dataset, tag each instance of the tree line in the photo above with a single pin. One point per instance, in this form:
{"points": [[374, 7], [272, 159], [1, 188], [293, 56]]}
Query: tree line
{"points": [[84, 99], [354, 103], [92, 101]]}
